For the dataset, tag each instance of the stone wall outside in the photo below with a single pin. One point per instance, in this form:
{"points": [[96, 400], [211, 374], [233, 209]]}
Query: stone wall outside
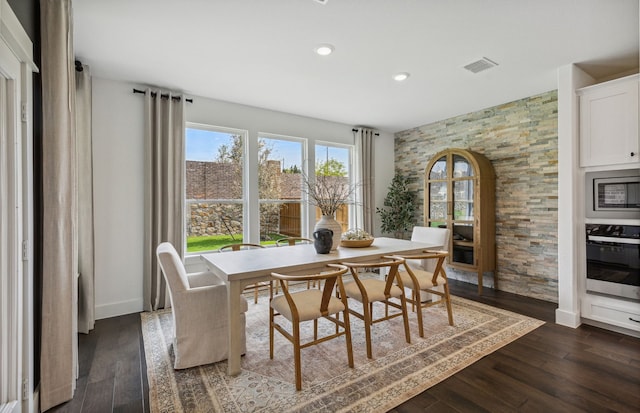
{"points": [[520, 138], [217, 181]]}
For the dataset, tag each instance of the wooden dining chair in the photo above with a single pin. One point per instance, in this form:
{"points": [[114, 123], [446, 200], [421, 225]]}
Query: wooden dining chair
{"points": [[370, 290], [309, 305], [433, 282], [291, 241], [245, 246]]}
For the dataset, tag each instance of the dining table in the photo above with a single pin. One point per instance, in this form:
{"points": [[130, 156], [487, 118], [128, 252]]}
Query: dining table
{"points": [[242, 268]]}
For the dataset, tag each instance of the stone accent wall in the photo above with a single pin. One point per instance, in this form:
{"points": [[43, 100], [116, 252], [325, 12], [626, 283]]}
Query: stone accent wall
{"points": [[521, 140]]}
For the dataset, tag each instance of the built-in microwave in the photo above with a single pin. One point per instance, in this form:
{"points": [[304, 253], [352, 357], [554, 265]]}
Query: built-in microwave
{"points": [[613, 194]]}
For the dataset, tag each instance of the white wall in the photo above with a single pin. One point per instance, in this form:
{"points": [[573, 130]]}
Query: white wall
{"points": [[118, 197], [570, 197], [118, 176]]}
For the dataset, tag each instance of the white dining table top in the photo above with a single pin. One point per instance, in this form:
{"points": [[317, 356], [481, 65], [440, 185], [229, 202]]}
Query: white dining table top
{"points": [[238, 265]]}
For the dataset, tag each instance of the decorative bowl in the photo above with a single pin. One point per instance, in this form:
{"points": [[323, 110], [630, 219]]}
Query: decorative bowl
{"points": [[356, 243]]}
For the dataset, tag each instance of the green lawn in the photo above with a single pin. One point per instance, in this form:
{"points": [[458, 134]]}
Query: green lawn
{"points": [[213, 242]]}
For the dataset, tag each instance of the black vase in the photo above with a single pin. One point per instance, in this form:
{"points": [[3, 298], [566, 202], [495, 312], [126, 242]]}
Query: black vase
{"points": [[323, 240]]}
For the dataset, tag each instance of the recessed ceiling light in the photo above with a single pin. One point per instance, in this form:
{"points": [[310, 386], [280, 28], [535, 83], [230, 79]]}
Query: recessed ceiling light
{"points": [[324, 49], [399, 77]]}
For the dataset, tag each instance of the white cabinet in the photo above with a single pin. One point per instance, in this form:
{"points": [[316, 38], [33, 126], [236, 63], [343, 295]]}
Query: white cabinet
{"points": [[609, 123], [611, 312]]}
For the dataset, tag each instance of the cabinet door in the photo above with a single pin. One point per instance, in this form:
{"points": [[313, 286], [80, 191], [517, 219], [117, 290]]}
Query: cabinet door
{"points": [[462, 213], [609, 124], [438, 191]]}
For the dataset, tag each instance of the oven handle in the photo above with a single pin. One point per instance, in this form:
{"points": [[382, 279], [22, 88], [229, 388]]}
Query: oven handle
{"points": [[614, 240]]}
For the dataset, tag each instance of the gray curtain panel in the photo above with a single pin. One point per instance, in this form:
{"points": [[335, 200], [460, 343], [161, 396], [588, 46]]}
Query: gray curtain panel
{"points": [[365, 155], [86, 254], [58, 359], [164, 188]]}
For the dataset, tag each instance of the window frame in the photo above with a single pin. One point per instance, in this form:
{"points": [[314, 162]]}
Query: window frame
{"points": [[304, 208], [244, 201], [351, 173]]}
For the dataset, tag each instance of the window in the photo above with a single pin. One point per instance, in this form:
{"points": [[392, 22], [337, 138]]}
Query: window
{"points": [[215, 203], [279, 180], [333, 160]]}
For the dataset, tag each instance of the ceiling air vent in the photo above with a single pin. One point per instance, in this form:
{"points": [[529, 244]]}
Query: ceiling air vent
{"points": [[480, 65]]}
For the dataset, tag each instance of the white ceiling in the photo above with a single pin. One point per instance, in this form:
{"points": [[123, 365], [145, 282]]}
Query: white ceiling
{"points": [[260, 52]]}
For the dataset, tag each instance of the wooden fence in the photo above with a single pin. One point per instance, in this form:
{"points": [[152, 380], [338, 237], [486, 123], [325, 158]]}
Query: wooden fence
{"points": [[290, 218]]}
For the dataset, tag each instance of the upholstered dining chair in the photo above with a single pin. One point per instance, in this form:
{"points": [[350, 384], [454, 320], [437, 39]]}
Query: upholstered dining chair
{"points": [[439, 238], [245, 246], [368, 290], [199, 307], [420, 280], [309, 305]]}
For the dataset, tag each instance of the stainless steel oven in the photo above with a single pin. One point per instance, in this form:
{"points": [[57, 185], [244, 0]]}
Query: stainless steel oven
{"points": [[613, 260]]}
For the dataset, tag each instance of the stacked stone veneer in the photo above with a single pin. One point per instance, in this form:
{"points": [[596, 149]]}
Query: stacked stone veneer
{"points": [[521, 140]]}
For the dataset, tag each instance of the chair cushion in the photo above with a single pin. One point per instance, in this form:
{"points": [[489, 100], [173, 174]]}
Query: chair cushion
{"points": [[424, 279], [375, 290], [308, 304]]}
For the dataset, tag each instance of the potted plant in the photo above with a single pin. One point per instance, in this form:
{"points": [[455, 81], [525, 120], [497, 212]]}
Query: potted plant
{"points": [[329, 193], [399, 206]]}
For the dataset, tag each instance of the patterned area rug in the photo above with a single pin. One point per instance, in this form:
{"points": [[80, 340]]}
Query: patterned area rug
{"points": [[398, 371]]}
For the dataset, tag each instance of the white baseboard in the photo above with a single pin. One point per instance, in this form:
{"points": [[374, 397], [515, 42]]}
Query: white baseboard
{"points": [[568, 319], [119, 308]]}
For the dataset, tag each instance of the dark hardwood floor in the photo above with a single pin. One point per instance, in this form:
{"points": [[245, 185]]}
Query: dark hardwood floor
{"points": [[552, 369]]}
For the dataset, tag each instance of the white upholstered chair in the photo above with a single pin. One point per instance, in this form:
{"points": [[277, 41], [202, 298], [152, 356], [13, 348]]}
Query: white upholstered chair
{"points": [[439, 238], [199, 306]]}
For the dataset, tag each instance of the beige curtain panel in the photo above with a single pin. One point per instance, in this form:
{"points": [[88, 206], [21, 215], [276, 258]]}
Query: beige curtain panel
{"points": [[164, 188], [86, 254], [58, 359], [364, 149]]}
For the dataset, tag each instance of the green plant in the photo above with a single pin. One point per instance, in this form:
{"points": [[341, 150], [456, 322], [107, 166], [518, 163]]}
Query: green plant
{"points": [[208, 243], [399, 205]]}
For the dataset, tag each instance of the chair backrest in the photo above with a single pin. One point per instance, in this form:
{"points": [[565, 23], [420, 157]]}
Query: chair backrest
{"points": [[331, 276], [432, 235], [239, 246], [390, 264], [172, 267], [293, 241]]}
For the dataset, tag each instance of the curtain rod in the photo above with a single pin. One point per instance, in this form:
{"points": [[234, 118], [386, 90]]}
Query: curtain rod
{"points": [[153, 94], [356, 130]]}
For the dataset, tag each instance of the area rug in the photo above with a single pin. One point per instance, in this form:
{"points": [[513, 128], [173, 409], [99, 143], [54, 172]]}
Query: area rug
{"points": [[397, 372]]}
